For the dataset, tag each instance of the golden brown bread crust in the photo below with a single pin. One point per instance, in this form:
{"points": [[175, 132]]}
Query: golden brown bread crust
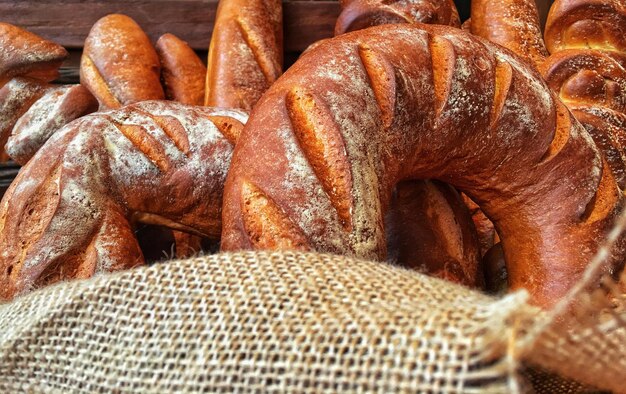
{"points": [[56, 107], [246, 52], [182, 71], [586, 76], [360, 14], [514, 24], [591, 24], [592, 83], [26, 54], [429, 229], [119, 65], [67, 214], [533, 169], [15, 98]]}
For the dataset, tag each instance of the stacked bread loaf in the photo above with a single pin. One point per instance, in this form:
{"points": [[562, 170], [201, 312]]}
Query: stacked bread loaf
{"points": [[30, 109], [336, 152]]}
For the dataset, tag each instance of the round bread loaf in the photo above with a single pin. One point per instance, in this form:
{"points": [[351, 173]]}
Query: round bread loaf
{"points": [[316, 164], [68, 212]]}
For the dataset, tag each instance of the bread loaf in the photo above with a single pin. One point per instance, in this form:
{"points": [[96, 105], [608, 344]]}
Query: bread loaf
{"points": [[182, 71], [56, 107], [429, 229], [246, 52], [119, 65], [590, 24], [26, 54], [514, 24], [67, 213], [360, 14], [316, 163], [587, 69], [15, 99], [428, 226]]}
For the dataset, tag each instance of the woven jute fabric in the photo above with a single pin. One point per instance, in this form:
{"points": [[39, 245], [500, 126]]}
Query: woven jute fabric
{"points": [[298, 322]]}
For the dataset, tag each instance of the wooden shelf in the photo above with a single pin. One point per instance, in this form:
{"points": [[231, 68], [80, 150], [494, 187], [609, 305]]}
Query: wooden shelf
{"points": [[68, 22]]}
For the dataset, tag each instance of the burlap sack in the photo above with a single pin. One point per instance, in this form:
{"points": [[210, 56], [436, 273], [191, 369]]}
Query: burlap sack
{"points": [[296, 322]]}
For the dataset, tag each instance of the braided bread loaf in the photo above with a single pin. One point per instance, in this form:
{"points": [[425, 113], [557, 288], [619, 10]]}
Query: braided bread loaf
{"points": [[587, 69], [324, 147], [67, 214], [246, 52], [119, 65], [360, 14], [599, 24]]}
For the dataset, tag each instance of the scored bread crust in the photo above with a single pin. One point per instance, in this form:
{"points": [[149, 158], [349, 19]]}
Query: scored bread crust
{"points": [[246, 52], [428, 226], [361, 14], [182, 71], [119, 65], [56, 107], [316, 163], [68, 212], [26, 54]]}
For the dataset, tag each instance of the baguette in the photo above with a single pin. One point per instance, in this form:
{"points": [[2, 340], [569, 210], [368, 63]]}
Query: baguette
{"points": [[429, 229], [182, 71], [56, 107], [360, 14], [514, 24], [246, 52], [119, 65]]}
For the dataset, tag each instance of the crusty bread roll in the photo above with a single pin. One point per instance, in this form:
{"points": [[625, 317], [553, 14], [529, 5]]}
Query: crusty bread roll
{"points": [[360, 14], [26, 54], [182, 71], [590, 24], [119, 65], [514, 24], [57, 106], [316, 163], [67, 213], [246, 52]]}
